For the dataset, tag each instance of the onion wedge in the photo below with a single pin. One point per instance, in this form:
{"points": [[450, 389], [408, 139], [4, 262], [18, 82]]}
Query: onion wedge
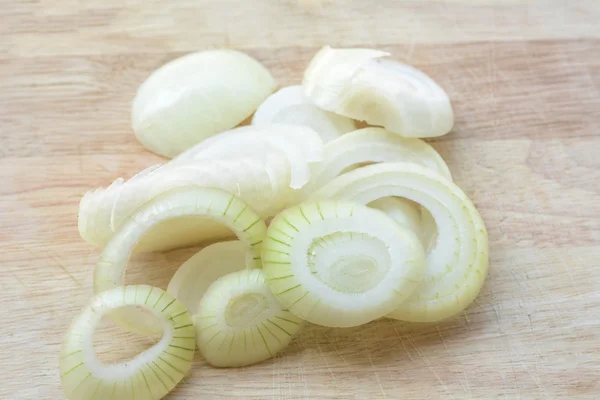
{"points": [[340, 264], [151, 374], [180, 203], [195, 275], [290, 105], [457, 265], [359, 84], [239, 321], [197, 96]]}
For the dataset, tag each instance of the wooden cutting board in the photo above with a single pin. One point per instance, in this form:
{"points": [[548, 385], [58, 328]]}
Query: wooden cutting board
{"points": [[524, 78]]}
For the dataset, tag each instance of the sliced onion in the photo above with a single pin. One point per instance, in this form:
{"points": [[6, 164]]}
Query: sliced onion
{"points": [[300, 145], [457, 265], [239, 321], [291, 106], [357, 83], [195, 275], [197, 96], [370, 145], [181, 203], [263, 184], [151, 374], [340, 264], [401, 210]]}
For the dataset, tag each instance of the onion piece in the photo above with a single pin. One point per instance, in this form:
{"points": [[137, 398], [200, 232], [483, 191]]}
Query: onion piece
{"points": [[152, 373], [358, 84], [290, 105], [197, 96], [195, 275], [300, 145], [371, 145], [457, 265], [240, 322], [403, 211], [340, 264], [264, 185], [187, 202]]}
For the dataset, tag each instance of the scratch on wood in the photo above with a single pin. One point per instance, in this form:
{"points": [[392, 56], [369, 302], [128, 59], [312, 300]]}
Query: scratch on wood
{"points": [[428, 364]]}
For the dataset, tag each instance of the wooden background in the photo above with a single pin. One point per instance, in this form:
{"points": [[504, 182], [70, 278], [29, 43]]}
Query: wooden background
{"points": [[524, 77]]}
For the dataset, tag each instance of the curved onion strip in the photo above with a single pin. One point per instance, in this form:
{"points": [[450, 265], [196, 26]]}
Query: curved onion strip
{"points": [[371, 145], [340, 264], [197, 96], [401, 210], [457, 265], [262, 184], [152, 373], [185, 202], [195, 275], [358, 84], [300, 145], [239, 321], [290, 105]]}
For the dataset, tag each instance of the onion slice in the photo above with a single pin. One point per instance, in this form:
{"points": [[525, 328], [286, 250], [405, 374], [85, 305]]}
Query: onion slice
{"points": [[240, 322], [197, 96], [300, 145], [457, 265], [340, 264], [360, 85], [290, 105], [181, 203], [264, 185], [371, 145], [401, 210], [195, 275], [152, 373]]}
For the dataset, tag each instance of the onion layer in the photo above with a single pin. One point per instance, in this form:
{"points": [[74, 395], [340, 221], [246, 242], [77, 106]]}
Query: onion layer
{"points": [[291, 106], [151, 374]]}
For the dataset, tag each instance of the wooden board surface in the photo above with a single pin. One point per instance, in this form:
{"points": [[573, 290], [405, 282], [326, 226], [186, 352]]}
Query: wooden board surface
{"points": [[524, 77]]}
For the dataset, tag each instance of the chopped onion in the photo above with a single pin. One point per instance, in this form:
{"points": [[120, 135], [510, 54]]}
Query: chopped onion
{"points": [[239, 321], [291, 106], [340, 264], [151, 374], [195, 275], [197, 96], [180, 203], [358, 84], [457, 265]]}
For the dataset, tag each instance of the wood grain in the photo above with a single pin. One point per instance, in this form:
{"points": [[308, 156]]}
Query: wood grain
{"points": [[524, 77]]}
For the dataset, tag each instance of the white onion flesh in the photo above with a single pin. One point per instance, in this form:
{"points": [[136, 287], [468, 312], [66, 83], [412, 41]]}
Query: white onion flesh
{"points": [[372, 145], [290, 105], [401, 210], [197, 96], [193, 278], [340, 264], [457, 265], [151, 374], [300, 145], [187, 202], [360, 85], [239, 321], [262, 184]]}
